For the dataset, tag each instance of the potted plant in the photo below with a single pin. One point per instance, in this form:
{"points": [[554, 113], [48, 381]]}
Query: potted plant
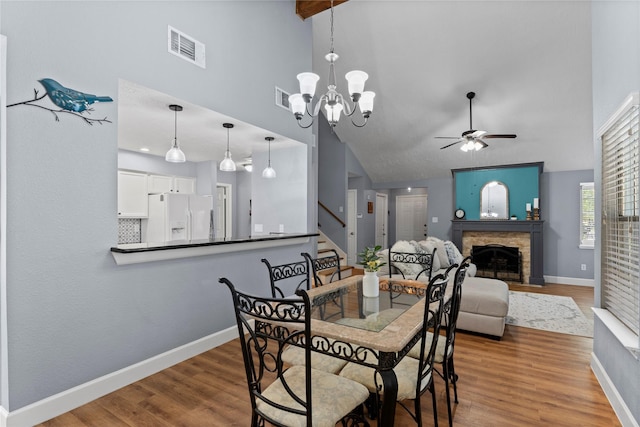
{"points": [[371, 262]]}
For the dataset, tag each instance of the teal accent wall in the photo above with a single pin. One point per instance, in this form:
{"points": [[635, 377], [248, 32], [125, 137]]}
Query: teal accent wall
{"points": [[523, 183]]}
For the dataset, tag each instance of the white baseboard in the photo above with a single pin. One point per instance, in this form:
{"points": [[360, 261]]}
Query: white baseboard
{"points": [[67, 400], [619, 406], [570, 281]]}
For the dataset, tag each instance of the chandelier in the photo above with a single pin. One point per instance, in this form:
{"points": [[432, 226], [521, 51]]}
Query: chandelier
{"points": [[334, 102]]}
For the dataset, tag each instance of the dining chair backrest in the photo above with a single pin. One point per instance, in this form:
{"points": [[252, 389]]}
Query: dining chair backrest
{"points": [[329, 262], [296, 274], [432, 320], [265, 327], [453, 308], [418, 263]]}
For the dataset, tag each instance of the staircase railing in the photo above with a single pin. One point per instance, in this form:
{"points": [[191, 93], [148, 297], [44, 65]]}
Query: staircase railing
{"points": [[332, 214]]}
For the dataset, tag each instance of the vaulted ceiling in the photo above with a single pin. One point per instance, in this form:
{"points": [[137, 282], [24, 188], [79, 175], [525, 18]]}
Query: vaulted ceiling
{"points": [[529, 63]]}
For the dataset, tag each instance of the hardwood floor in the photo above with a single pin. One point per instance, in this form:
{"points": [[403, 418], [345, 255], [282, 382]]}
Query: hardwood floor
{"points": [[529, 378]]}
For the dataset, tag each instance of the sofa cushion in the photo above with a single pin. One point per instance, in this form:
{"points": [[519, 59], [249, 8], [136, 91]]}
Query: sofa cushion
{"points": [[489, 297]]}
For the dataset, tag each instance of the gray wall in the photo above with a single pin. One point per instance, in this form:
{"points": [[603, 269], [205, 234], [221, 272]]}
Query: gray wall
{"points": [[72, 314], [560, 209], [616, 73], [332, 183]]}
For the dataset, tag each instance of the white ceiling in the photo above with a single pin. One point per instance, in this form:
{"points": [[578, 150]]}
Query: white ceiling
{"points": [[145, 120], [529, 63]]}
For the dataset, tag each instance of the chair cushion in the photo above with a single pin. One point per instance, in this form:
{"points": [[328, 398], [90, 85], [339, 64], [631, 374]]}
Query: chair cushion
{"points": [[438, 357], [293, 355], [332, 396], [406, 374]]}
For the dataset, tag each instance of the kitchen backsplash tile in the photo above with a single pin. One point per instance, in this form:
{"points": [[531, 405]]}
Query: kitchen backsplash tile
{"points": [[129, 230]]}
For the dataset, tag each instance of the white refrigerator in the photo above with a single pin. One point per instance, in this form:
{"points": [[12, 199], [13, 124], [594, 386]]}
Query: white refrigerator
{"points": [[178, 218]]}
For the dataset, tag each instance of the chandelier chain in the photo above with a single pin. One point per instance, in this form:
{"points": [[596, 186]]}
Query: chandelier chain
{"points": [[331, 20]]}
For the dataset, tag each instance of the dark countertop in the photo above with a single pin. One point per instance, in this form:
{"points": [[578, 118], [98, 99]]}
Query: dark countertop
{"points": [[148, 247]]}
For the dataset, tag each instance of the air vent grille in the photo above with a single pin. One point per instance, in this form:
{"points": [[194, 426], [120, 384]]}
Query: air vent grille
{"points": [[186, 47], [282, 98]]}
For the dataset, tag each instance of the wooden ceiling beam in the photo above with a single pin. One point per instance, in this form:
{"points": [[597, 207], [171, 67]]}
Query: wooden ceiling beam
{"points": [[308, 8]]}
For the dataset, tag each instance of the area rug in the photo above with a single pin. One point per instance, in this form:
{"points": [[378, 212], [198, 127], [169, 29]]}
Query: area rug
{"points": [[547, 312]]}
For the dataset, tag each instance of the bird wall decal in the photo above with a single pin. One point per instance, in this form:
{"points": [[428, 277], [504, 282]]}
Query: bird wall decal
{"points": [[69, 100]]}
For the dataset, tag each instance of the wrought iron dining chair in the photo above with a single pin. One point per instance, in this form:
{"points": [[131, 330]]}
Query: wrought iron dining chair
{"points": [[293, 272], [299, 395], [414, 376], [331, 263], [444, 350], [416, 264], [324, 263], [296, 274]]}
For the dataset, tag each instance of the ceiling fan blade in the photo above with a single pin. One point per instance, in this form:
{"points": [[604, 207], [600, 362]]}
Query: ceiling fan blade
{"points": [[481, 142], [453, 143], [507, 135]]}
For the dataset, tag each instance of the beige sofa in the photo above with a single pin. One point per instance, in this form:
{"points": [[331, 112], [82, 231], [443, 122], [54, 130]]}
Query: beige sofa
{"points": [[485, 302]]}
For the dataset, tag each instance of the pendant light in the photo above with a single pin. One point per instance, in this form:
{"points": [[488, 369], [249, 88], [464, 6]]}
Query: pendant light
{"points": [[175, 154], [227, 165], [269, 172]]}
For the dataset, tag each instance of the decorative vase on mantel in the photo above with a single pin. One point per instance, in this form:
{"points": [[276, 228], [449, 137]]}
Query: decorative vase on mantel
{"points": [[370, 284]]}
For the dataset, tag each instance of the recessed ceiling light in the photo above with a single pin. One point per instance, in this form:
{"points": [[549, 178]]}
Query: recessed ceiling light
{"points": [[145, 149]]}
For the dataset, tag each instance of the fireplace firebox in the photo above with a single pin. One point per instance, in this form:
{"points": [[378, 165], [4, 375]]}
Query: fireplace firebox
{"points": [[498, 262]]}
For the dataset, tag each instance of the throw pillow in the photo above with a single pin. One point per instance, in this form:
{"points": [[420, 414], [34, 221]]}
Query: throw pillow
{"points": [[441, 252], [454, 255], [428, 248]]}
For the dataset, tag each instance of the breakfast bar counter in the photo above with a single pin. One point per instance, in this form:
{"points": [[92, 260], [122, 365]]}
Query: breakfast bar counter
{"points": [[133, 253]]}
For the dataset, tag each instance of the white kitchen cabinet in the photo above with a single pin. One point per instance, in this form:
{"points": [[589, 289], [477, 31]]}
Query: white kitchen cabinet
{"points": [[184, 185], [171, 184], [160, 184], [132, 195]]}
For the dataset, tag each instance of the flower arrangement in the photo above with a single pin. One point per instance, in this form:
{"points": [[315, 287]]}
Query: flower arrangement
{"points": [[370, 260]]}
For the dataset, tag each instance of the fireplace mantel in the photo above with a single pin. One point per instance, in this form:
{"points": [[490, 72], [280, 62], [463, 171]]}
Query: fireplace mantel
{"points": [[534, 228]]}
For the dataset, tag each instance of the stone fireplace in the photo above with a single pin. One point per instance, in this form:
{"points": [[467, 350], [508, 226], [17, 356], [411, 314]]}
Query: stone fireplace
{"points": [[525, 235]]}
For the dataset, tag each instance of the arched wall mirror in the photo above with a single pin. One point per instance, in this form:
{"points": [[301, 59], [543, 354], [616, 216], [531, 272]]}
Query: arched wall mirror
{"points": [[494, 201]]}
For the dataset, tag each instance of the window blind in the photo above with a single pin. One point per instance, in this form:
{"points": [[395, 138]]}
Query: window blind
{"points": [[587, 215], [620, 235]]}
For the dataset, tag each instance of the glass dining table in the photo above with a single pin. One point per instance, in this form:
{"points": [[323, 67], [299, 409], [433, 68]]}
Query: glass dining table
{"points": [[372, 331]]}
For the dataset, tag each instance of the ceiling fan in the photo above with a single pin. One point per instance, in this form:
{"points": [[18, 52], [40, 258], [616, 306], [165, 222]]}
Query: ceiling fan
{"points": [[473, 139]]}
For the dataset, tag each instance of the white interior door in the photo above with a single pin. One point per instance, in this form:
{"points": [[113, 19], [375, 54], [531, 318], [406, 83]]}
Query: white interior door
{"points": [[352, 227], [411, 217], [382, 216], [224, 212]]}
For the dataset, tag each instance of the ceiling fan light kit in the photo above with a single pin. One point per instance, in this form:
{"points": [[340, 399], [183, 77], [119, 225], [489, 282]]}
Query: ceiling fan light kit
{"points": [[334, 102], [473, 139]]}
